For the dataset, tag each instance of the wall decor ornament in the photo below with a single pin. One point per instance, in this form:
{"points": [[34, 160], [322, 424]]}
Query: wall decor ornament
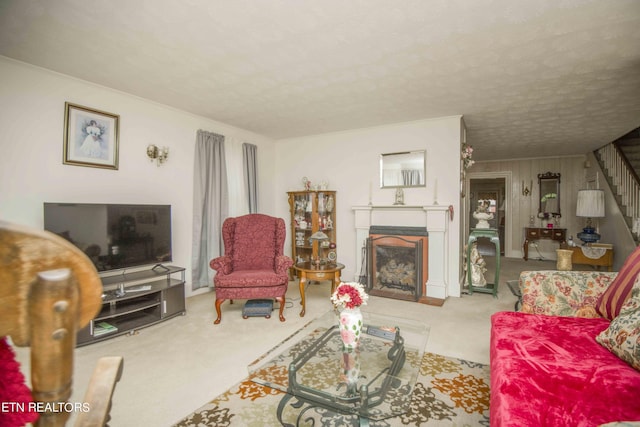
{"points": [[466, 155], [466, 158], [90, 137]]}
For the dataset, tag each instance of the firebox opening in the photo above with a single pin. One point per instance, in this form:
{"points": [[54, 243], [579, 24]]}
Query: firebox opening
{"points": [[396, 269], [397, 266]]}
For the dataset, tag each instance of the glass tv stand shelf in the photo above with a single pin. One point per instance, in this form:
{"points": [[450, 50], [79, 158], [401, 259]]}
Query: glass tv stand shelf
{"points": [[132, 301]]}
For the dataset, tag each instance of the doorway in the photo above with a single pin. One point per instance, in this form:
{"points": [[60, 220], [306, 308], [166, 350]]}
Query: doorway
{"points": [[492, 192]]}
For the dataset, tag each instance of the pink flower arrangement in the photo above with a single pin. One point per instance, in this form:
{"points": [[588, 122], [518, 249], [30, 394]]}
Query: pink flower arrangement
{"points": [[467, 153], [349, 295]]}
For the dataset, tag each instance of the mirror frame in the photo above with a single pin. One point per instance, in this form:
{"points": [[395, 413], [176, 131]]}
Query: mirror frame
{"points": [[390, 162], [548, 178]]}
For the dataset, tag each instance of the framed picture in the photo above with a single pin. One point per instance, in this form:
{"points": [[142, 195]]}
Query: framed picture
{"points": [[90, 137]]}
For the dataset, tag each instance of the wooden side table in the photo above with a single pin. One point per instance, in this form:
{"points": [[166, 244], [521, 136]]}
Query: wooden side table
{"points": [[606, 260], [310, 271], [492, 235]]}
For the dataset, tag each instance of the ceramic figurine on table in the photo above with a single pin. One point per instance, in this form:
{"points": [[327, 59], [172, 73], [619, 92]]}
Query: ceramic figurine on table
{"points": [[482, 214], [478, 267], [399, 197]]}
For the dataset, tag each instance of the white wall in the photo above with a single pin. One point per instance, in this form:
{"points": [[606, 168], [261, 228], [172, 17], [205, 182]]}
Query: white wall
{"points": [[31, 140], [31, 169], [349, 161]]}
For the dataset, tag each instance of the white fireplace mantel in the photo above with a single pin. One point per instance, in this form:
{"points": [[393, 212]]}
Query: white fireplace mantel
{"points": [[434, 217]]}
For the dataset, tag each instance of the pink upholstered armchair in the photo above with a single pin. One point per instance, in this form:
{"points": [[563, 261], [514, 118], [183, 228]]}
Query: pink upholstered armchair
{"points": [[253, 265]]}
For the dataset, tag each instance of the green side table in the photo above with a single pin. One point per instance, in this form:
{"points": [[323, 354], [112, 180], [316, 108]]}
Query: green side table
{"points": [[492, 235]]}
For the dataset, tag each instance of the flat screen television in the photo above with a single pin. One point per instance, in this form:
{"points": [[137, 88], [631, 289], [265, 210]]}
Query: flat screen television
{"points": [[114, 236]]}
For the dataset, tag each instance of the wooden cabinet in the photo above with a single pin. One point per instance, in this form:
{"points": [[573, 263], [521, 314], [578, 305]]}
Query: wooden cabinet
{"points": [[313, 215], [597, 255]]}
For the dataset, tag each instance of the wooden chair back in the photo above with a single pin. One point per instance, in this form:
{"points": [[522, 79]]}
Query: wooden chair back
{"points": [[49, 289]]}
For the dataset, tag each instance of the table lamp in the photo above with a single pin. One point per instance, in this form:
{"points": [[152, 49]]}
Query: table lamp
{"points": [[590, 205], [318, 237]]}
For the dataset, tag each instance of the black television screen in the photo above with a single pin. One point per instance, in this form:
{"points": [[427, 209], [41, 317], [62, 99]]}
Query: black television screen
{"points": [[114, 236]]}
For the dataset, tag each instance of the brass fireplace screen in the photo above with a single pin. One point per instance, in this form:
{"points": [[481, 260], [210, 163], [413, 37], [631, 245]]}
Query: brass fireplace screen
{"points": [[397, 262]]}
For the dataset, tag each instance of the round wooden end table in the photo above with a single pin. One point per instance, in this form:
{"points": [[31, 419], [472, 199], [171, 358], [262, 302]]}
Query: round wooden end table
{"points": [[311, 271]]}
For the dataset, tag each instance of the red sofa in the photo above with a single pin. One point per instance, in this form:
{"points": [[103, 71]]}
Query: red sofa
{"points": [[548, 369]]}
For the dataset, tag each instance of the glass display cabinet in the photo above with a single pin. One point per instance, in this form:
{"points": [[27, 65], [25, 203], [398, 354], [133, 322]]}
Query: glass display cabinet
{"points": [[313, 226]]}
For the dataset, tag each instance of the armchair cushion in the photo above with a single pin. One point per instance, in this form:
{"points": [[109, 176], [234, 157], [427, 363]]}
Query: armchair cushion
{"points": [[254, 248], [563, 293], [611, 301], [250, 278]]}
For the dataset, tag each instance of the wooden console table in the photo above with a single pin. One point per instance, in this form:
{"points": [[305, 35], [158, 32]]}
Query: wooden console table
{"points": [[534, 234], [606, 260]]}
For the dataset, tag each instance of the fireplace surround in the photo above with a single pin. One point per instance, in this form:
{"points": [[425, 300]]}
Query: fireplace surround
{"points": [[442, 252]]}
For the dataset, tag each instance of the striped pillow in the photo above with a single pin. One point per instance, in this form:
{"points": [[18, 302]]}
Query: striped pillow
{"points": [[612, 299]]}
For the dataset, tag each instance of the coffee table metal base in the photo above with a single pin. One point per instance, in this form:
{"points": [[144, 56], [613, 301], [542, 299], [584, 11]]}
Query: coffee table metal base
{"points": [[354, 401], [322, 380]]}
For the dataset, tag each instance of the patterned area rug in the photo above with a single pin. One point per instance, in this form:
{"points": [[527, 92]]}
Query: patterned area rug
{"points": [[449, 391]]}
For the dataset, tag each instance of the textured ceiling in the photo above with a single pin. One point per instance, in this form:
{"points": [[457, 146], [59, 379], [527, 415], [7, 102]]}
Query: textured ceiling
{"points": [[531, 77]]}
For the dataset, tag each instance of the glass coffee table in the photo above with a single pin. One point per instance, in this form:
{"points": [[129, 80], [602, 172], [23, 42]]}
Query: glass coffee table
{"points": [[321, 380]]}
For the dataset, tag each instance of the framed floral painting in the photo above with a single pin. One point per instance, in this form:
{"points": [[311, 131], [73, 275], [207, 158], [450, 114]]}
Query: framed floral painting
{"points": [[90, 137]]}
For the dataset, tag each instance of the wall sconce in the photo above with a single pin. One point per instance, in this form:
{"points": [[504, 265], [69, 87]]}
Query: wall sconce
{"points": [[525, 190], [160, 155]]}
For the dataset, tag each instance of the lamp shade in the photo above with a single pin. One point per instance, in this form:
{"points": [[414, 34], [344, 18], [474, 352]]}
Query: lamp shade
{"points": [[319, 235], [590, 203]]}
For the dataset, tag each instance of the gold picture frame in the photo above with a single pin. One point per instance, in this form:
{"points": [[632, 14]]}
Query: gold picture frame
{"points": [[90, 137]]}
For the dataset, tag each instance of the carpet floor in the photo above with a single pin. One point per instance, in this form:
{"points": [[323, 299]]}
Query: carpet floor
{"points": [[449, 391]]}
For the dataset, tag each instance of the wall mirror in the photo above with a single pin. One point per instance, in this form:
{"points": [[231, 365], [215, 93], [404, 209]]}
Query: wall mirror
{"points": [[405, 169], [549, 184]]}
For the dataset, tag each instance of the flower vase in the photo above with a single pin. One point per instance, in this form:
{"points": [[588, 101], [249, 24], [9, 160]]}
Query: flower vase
{"points": [[350, 328]]}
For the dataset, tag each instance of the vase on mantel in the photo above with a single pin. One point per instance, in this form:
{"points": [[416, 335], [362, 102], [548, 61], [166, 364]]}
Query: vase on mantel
{"points": [[350, 327]]}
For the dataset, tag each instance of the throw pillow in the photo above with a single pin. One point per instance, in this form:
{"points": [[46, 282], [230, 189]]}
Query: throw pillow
{"points": [[612, 300], [622, 337]]}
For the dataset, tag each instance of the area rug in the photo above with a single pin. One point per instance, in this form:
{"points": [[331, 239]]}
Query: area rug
{"points": [[449, 392]]}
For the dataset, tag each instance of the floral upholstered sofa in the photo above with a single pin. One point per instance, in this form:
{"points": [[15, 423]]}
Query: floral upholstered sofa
{"points": [[571, 356]]}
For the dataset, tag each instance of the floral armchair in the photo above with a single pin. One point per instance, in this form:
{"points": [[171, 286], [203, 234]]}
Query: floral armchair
{"points": [[253, 265]]}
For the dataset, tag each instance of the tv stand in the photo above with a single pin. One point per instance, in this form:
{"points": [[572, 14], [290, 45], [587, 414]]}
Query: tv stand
{"points": [[132, 301]]}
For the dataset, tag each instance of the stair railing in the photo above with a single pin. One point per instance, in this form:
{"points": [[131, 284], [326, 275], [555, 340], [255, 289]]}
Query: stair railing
{"points": [[624, 180]]}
